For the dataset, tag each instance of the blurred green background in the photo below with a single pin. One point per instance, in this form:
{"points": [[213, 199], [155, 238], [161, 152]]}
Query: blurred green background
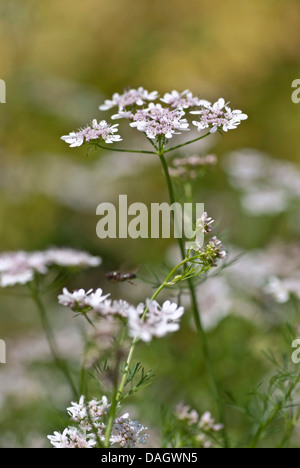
{"points": [[60, 60]]}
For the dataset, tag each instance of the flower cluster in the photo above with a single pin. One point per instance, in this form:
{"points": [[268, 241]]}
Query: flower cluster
{"points": [[129, 98], [89, 418], [86, 301], [156, 121], [158, 322], [144, 322], [218, 116], [212, 251], [21, 267], [204, 224], [202, 426], [192, 166], [93, 132], [183, 100]]}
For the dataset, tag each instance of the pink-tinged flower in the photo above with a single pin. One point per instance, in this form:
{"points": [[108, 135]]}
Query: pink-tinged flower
{"points": [[72, 438], [158, 322], [90, 418], [156, 121], [217, 246], [117, 308], [218, 116], [93, 132], [207, 423], [80, 412], [129, 98], [187, 414], [184, 100], [204, 224], [128, 433]]}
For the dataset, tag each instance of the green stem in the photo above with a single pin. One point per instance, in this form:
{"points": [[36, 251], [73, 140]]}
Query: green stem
{"points": [[196, 312], [187, 143], [51, 341], [262, 427], [153, 152], [125, 150], [117, 396]]}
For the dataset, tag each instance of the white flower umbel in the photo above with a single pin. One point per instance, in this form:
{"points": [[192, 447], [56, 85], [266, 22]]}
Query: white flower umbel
{"points": [[71, 258], [96, 131], [90, 301], [90, 419], [158, 322], [218, 116], [21, 267], [129, 98]]}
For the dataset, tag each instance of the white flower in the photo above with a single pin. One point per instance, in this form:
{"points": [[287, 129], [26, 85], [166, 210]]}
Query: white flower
{"points": [[114, 308], [129, 98], [187, 414], [84, 412], [218, 116], [156, 121], [158, 322], [20, 267], [182, 100], [259, 201], [71, 258], [128, 433], [90, 301], [74, 139], [204, 224], [95, 131], [72, 438], [91, 417], [207, 423], [282, 289], [215, 301], [81, 299]]}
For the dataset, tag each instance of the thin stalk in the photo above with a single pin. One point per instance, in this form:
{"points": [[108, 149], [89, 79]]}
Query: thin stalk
{"points": [[117, 396], [119, 150], [262, 427], [114, 404], [187, 143], [51, 341], [196, 312]]}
